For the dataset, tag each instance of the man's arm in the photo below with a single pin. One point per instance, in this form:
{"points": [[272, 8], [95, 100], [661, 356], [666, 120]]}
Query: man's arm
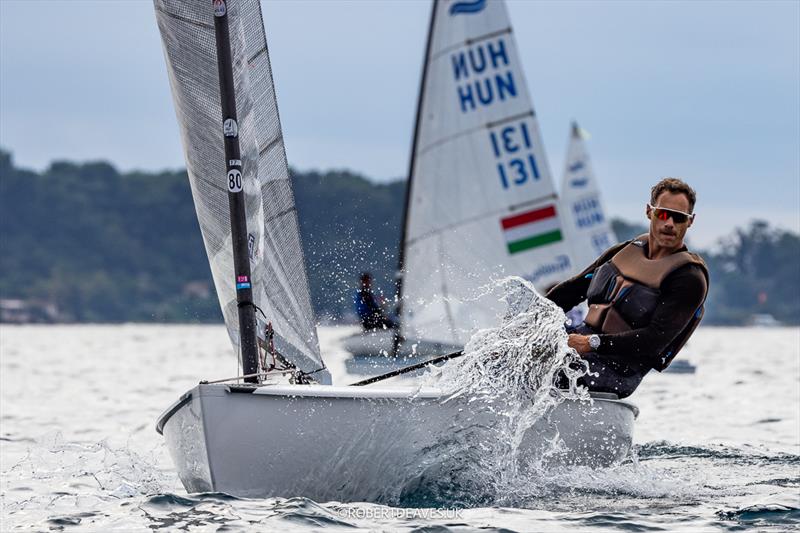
{"points": [[682, 294], [571, 292]]}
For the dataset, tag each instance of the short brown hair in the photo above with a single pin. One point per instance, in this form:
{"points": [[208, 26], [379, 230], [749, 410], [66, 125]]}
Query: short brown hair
{"points": [[675, 186]]}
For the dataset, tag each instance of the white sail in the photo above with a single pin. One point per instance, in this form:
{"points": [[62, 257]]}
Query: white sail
{"points": [[280, 286], [482, 202], [587, 229]]}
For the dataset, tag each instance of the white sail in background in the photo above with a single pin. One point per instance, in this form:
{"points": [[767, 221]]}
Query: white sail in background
{"points": [[279, 283], [588, 231], [482, 201]]}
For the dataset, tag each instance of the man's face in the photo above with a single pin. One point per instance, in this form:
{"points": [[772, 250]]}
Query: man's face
{"points": [[667, 233]]}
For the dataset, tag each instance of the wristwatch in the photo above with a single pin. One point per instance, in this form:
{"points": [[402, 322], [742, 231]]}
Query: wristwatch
{"points": [[594, 342]]}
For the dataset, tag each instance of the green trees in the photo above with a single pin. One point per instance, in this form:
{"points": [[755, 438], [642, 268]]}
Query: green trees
{"points": [[106, 246], [102, 246], [348, 225], [756, 270]]}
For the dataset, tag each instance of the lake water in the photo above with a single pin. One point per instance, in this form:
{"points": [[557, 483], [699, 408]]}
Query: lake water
{"points": [[715, 450]]}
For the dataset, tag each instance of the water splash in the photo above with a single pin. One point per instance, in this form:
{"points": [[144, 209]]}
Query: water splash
{"points": [[520, 357], [508, 372]]}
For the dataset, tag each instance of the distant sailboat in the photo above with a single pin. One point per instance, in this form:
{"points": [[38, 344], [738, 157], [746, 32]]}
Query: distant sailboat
{"points": [[267, 437], [481, 202], [587, 228]]}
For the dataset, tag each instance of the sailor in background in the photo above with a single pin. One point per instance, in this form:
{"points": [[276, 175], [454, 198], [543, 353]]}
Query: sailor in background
{"points": [[645, 297], [368, 306]]}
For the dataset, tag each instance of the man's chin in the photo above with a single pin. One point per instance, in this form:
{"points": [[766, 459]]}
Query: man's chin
{"points": [[667, 240]]}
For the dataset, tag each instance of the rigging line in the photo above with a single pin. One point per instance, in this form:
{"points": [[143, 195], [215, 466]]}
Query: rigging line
{"points": [[279, 312], [184, 19], [488, 125], [237, 378], [490, 214], [313, 371], [471, 41], [238, 358]]}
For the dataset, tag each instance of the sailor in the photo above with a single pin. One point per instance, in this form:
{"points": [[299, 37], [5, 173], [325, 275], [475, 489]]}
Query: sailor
{"points": [[574, 315], [645, 297], [368, 307]]}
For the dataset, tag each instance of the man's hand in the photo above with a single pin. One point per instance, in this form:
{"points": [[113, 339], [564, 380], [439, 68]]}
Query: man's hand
{"points": [[580, 343]]}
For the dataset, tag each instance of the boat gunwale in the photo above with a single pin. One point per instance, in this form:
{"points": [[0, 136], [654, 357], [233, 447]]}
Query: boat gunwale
{"points": [[176, 406], [342, 392]]}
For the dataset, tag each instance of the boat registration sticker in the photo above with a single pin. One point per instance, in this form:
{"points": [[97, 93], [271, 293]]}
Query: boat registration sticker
{"points": [[219, 8], [230, 128], [234, 180]]}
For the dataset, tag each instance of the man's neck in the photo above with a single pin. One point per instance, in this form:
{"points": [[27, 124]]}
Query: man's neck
{"points": [[654, 251]]}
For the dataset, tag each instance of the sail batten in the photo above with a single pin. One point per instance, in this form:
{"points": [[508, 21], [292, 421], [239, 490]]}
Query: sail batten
{"points": [[472, 40], [505, 120], [278, 275]]}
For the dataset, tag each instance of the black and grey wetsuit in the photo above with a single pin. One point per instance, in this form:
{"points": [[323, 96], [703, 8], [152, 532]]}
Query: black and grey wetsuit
{"points": [[643, 311]]}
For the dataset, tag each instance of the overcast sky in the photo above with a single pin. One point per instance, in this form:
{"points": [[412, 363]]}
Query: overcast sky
{"points": [[709, 91]]}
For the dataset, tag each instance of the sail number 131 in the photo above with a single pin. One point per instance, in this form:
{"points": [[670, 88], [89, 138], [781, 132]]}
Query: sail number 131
{"points": [[515, 142]]}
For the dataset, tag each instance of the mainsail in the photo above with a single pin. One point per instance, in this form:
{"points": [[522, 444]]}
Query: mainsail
{"points": [[481, 201], [587, 228], [278, 274]]}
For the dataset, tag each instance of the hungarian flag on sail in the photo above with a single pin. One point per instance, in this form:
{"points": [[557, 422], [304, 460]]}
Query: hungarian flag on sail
{"points": [[531, 229]]}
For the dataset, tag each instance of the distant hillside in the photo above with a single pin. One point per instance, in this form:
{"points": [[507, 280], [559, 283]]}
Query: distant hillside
{"points": [[83, 242], [349, 225]]}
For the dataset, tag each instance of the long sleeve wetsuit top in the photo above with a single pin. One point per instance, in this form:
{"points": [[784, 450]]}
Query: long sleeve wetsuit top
{"points": [[681, 293]]}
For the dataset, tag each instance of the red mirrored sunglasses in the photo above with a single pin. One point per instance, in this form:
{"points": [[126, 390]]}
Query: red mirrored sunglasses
{"points": [[678, 217]]}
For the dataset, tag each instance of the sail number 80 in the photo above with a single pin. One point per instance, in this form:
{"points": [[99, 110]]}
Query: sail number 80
{"points": [[234, 180]]}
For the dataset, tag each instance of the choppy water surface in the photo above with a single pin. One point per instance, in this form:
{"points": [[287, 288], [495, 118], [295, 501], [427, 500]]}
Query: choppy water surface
{"points": [[715, 450]]}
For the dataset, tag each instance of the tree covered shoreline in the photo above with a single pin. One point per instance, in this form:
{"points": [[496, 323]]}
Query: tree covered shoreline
{"points": [[86, 243]]}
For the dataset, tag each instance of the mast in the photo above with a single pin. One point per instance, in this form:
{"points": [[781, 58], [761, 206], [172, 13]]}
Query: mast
{"points": [[410, 180], [248, 343]]}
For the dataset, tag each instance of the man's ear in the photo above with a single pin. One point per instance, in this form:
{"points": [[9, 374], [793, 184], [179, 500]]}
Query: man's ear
{"points": [[691, 221], [647, 211]]}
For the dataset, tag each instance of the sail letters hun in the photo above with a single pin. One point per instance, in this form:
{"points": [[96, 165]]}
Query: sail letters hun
{"points": [[478, 160]]}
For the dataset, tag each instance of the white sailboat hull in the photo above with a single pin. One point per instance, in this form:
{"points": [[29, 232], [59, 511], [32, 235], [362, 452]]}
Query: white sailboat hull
{"points": [[381, 343], [357, 444]]}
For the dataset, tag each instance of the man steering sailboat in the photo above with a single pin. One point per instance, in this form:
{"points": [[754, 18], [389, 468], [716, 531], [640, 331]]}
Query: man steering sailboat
{"points": [[645, 297]]}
